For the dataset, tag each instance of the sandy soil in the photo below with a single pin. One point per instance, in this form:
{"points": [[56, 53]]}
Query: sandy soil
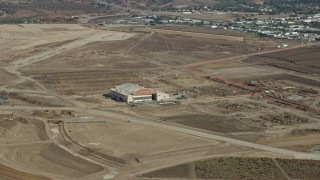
{"points": [[49, 158], [8, 173], [26, 38], [14, 130], [55, 121], [93, 135]]}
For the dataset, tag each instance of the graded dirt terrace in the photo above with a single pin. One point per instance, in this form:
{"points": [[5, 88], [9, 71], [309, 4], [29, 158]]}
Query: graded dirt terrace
{"points": [[49, 158], [303, 60], [129, 141], [56, 122], [97, 66], [12, 174], [14, 128], [147, 50], [27, 145]]}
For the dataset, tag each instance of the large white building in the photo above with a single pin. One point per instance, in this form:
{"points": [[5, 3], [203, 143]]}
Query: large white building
{"points": [[130, 93]]}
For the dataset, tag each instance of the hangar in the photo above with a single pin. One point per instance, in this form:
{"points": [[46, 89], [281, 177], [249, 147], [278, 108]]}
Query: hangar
{"points": [[130, 93]]}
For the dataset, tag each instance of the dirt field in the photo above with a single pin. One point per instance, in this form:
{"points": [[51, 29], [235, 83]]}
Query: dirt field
{"points": [[55, 121], [211, 123], [14, 129], [49, 158], [233, 116], [303, 60], [93, 135], [12, 174], [147, 50], [85, 82], [25, 143], [126, 61]]}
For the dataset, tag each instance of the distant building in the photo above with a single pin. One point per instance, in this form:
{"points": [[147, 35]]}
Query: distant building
{"points": [[2, 101], [187, 12], [206, 22], [196, 21], [131, 93], [282, 46]]}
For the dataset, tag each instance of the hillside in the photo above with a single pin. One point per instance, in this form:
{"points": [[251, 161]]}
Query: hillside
{"points": [[163, 3], [56, 11], [154, 4]]}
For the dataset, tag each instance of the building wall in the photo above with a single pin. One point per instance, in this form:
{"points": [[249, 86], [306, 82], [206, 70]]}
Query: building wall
{"points": [[162, 96], [142, 98], [129, 99], [120, 96]]}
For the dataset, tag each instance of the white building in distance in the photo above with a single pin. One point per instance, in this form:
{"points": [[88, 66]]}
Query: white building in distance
{"points": [[132, 93]]}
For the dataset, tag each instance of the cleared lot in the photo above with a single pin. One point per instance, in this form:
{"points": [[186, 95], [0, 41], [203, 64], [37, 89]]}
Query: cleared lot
{"points": [[216, 94]]}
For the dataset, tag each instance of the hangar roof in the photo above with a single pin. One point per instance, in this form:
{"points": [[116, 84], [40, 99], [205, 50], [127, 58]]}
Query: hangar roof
{"points": [[128, 88]]}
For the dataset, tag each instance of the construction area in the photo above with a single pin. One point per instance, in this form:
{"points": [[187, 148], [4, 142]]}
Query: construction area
{"points": [[133, 93], [200, 104]]}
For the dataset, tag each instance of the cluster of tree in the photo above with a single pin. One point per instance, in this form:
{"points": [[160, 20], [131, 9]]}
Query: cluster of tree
{"points": [[12, 21]]}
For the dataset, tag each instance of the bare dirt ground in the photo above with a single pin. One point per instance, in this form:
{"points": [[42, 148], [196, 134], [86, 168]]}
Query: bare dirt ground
{"points": [[12, 174], [56, 123], [120, 147], [50, 159], [304, 60]]}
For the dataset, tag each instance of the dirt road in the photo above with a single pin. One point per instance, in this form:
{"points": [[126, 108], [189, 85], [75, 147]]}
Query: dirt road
{"points": [[92, 36], [176, 128]]}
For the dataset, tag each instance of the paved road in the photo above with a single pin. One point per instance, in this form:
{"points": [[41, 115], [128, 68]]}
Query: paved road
{"points": [[176, 128]]}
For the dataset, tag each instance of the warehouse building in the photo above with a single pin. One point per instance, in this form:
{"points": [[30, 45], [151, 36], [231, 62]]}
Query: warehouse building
{"points": [[130, 93]]}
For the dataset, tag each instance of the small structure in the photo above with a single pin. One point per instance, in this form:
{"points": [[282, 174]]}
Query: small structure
{"points": [[282, 46], [131, 93], [2, 101]]}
